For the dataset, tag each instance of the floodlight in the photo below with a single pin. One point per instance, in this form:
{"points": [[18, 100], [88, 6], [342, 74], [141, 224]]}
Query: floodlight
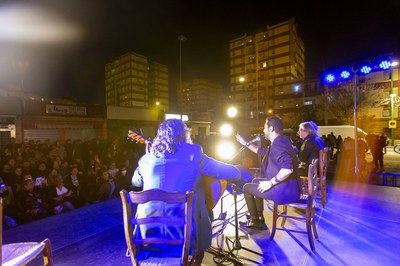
{"points": [[226, 130], [232, 111], [225, 150], [365, 69], [384, 64], [330, 77], [345, 74]]}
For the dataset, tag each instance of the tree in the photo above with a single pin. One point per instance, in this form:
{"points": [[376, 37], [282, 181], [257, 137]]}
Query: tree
{"points": [[338, 101]]}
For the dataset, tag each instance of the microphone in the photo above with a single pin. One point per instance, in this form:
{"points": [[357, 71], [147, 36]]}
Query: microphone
{"points": [[259, 138]]}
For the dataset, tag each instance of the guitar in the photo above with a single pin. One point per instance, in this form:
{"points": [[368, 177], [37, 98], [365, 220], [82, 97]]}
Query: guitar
{"points": [[213, 188]]}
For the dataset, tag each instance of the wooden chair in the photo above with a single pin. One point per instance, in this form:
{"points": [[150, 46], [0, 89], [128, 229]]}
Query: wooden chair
{"points": [[130, 223], [323, 162], [307, 203], [23, 253]]}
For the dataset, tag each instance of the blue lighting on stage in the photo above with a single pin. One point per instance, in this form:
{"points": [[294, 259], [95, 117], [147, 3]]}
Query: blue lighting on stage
{"points": [[365, 69], [330, 77], [385, 64], [345, 74]]}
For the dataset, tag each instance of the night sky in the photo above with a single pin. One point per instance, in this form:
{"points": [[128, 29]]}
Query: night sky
{"points": [[60, 47]]}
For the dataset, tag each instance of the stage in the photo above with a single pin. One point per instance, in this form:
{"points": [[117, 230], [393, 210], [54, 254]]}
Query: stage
{"points": [[359, 226]]}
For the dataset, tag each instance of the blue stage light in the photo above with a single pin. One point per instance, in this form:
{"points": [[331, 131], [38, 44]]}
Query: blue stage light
{"points": [[385, 64], [330, 77], [365, 69], [345, 74]]}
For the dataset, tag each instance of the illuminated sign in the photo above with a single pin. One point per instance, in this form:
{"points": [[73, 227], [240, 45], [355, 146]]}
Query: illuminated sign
{"points": [[65, 110]]}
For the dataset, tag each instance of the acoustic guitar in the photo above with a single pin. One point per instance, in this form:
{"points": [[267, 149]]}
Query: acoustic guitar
{"points": [[213, 188]]}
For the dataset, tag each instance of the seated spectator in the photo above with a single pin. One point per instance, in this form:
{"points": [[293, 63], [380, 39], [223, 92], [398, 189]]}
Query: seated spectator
{"points": [[52, 175], [6, 173], [105, 185], [73, 183], [41, 170], [64, 169], [113, 170], [8, 205], [123, 181], [60, 197], [29, 202]]}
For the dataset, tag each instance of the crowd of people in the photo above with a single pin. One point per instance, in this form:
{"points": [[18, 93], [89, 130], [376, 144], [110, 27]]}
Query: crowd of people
{"points": [[343, 153], [42, 178]]}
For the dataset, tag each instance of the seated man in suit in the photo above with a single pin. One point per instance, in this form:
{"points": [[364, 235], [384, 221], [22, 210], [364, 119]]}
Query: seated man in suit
{"points": [[279, 164]]}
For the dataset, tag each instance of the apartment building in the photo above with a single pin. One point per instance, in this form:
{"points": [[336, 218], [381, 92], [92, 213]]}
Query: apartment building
{"points": [[267, 69], [132, 80], [200, 96]]}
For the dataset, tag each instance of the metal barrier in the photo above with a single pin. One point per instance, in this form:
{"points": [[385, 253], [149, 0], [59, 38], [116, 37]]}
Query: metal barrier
{"points": [[383, 178]]}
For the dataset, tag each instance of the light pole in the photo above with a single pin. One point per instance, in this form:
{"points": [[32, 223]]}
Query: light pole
{"points": [[181, 39], [392, 95], [355, 123]]}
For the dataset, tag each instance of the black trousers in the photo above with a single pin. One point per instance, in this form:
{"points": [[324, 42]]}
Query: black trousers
{"points": [[284, 193]]}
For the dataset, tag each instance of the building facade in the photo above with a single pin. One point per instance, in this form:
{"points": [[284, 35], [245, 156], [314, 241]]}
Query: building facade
{"points": [[132, 80], [158, 86], [266, 71], [199, 95]]}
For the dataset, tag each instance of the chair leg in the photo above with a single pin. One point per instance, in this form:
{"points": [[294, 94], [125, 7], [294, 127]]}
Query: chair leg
{"points": [[274, 220], [314, 226], [284, 212], [309, 232], [47, 253], [322, 192]]}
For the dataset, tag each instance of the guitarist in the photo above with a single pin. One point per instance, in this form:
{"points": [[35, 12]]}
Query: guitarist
{"points": [[173, 163]]}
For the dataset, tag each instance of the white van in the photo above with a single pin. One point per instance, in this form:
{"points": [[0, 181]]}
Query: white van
{"points": [[343, 130]]}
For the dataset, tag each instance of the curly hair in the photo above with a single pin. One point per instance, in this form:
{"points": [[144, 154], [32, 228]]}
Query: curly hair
{"points": [[171, 133]]}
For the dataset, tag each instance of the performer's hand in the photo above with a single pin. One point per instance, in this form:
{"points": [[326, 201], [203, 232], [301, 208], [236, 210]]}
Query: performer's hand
{"points": [[241, 140], [264, 186]]}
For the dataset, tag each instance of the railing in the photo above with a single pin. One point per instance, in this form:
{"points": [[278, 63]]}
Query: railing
{"points": [[383, 178]]}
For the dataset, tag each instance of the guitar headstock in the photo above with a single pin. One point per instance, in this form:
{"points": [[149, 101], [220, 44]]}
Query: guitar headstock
{"points": [[135, 136]]}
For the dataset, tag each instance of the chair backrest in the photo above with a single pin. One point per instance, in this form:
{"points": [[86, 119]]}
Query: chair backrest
{"points": [[312, 176], [130, 223], [323, 162]]}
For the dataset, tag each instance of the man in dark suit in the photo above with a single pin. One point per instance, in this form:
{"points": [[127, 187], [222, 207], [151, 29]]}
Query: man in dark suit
{"points": [[279, 164]]}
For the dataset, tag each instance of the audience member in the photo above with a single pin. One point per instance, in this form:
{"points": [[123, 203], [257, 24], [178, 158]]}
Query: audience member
{"points": [[105, 185], [73, 183], [29, 202], [60, 198]]}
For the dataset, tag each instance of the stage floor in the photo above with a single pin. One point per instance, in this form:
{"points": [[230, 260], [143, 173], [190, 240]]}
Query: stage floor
{"points": [[359, 226]]}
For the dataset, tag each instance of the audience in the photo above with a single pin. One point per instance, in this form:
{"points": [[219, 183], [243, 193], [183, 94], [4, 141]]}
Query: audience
{"points": [[31, 172]]}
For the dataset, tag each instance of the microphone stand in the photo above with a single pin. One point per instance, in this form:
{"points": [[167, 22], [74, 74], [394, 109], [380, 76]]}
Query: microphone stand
{"points": [[236, 245]]}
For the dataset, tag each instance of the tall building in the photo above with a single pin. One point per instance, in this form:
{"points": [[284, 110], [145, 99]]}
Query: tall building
{"points": [[199, 95], [132, 81], [158, 85], [266, 71]]}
